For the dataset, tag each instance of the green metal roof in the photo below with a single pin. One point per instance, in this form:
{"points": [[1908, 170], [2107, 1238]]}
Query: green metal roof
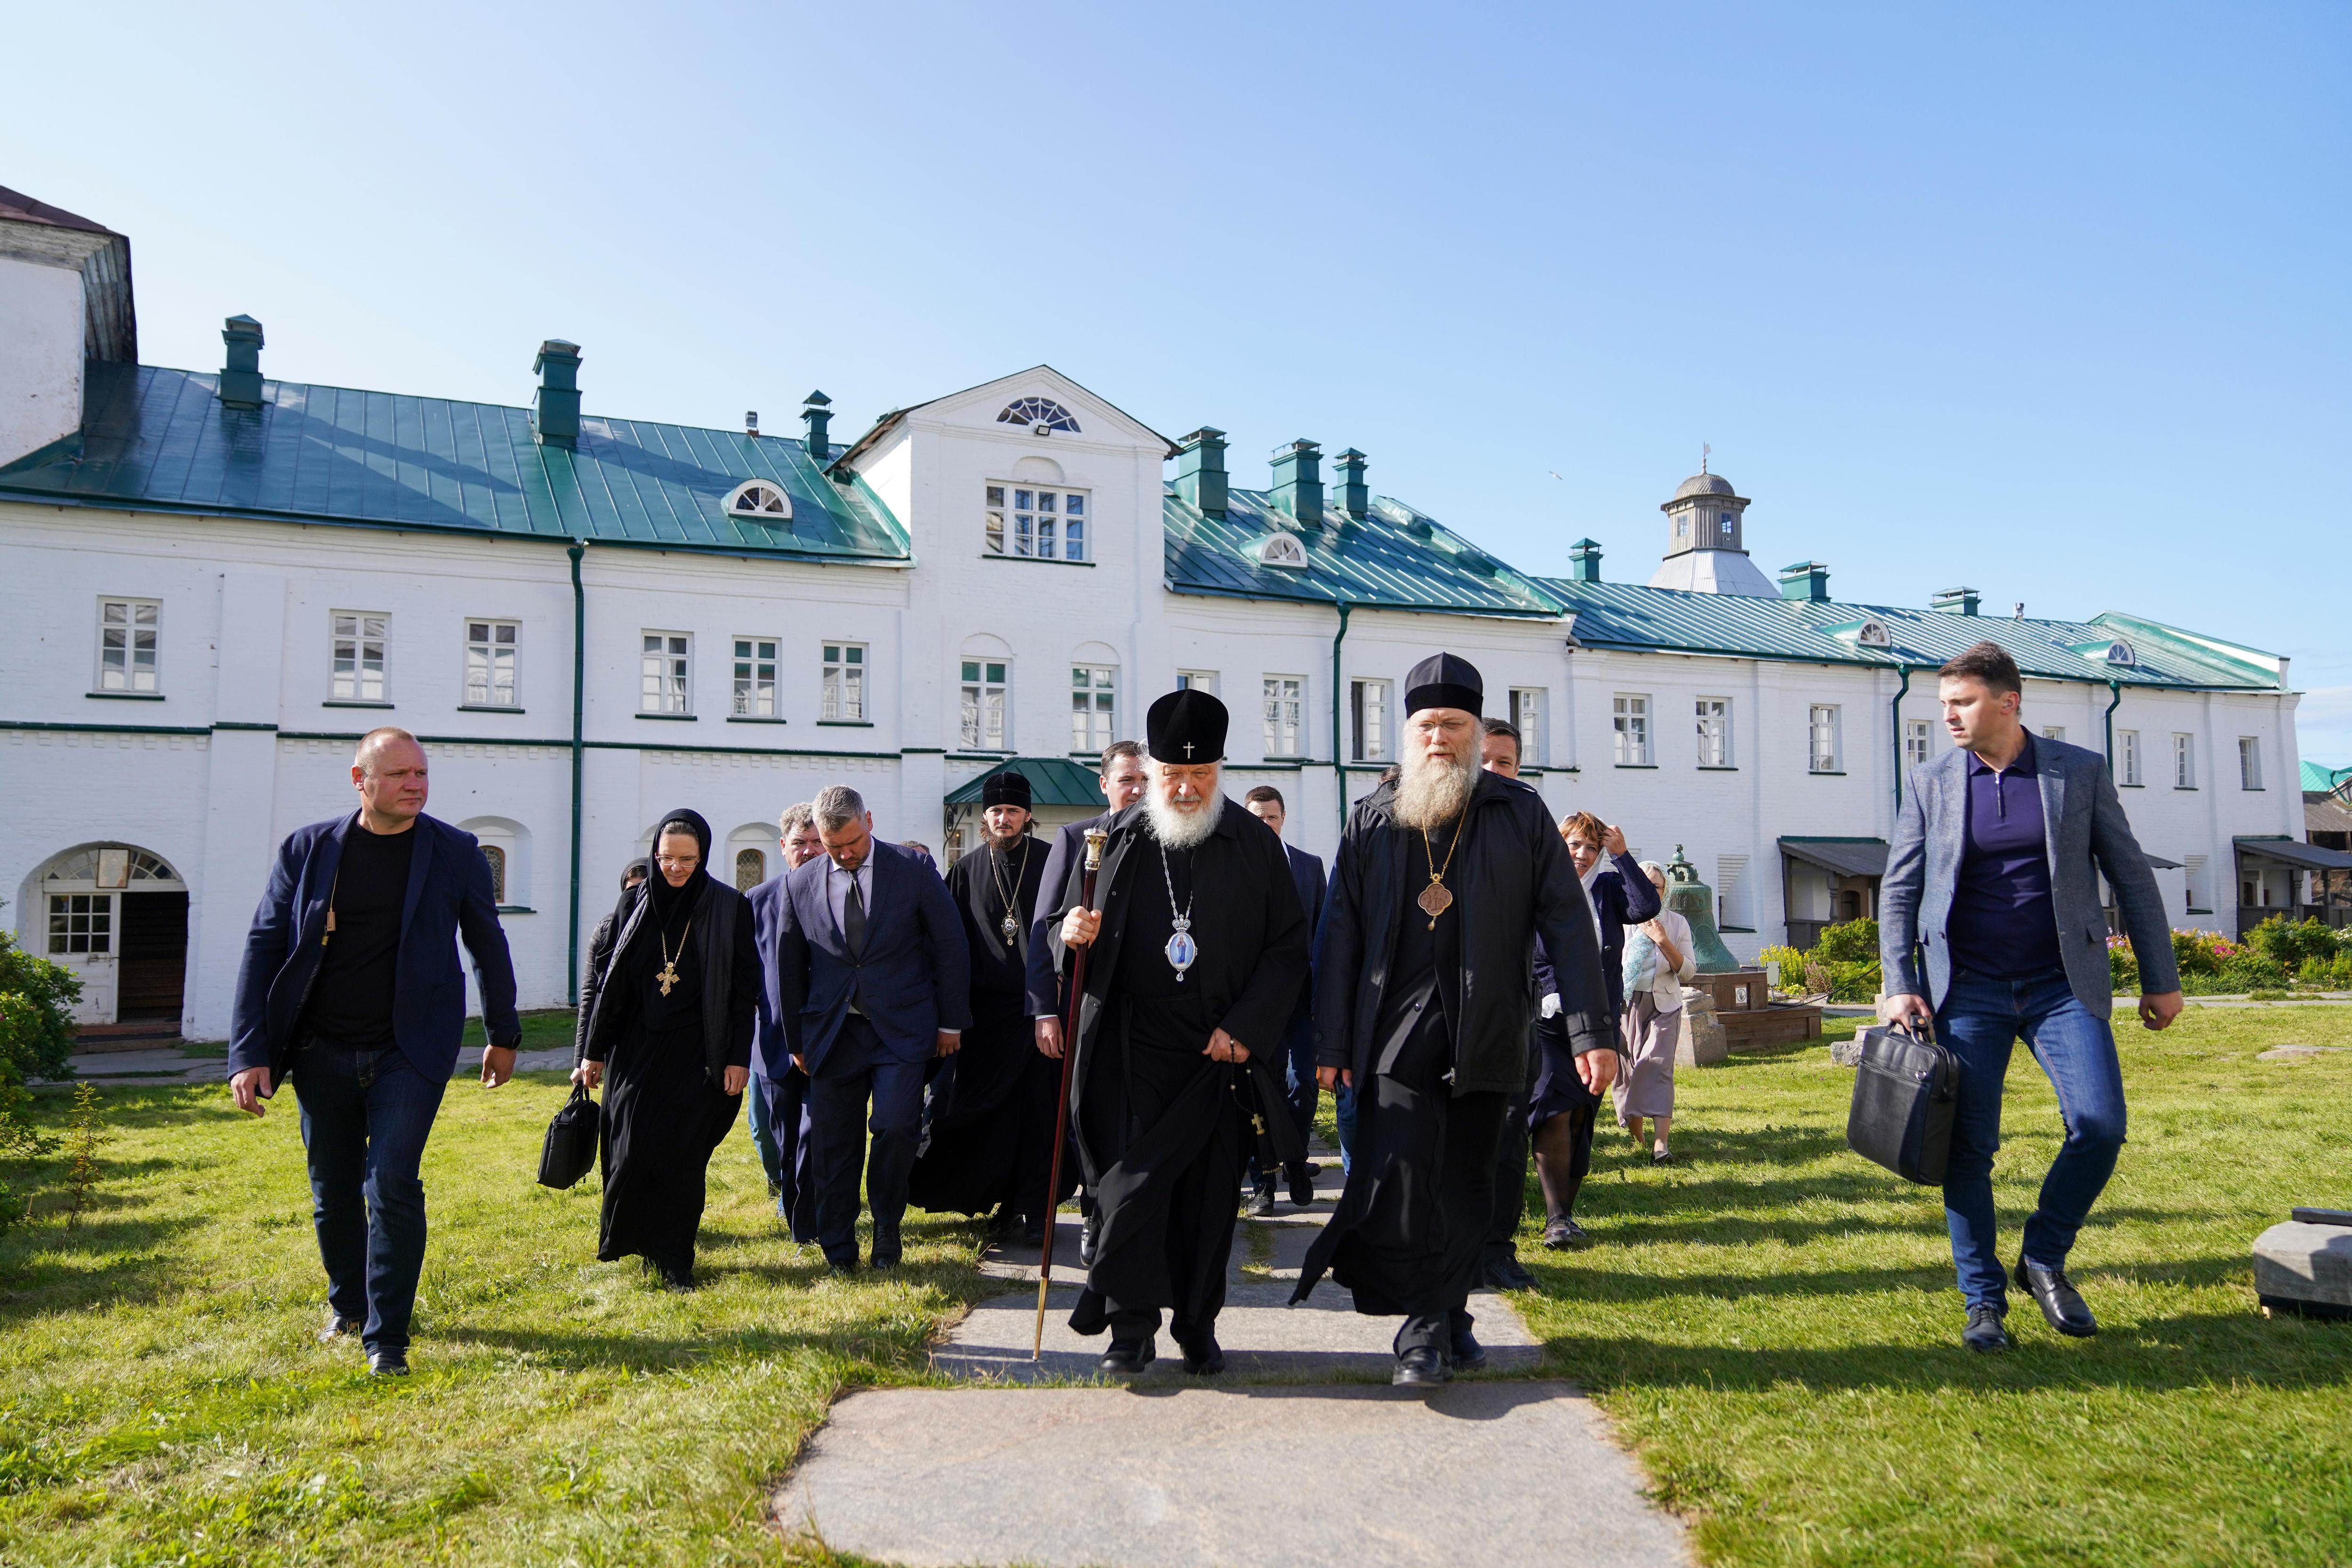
{"points": [[156, 438], [1392, 558], [2320, 778], [1052, 781], [1670, 620]]}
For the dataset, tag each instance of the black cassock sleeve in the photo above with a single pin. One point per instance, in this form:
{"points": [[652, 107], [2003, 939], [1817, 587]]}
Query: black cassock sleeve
{"points": [[743, 988], [1261, 1011]]}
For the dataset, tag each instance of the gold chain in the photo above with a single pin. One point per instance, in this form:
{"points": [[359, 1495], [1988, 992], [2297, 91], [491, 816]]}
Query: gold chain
{"points": [[667, 974], [1437, 872]]}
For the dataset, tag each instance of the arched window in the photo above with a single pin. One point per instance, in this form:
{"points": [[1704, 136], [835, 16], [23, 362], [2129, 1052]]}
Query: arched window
{"points": [[1040, 414], [2120, 652], [497, 859], [761, 501], [1282, 549], [751, 870]]}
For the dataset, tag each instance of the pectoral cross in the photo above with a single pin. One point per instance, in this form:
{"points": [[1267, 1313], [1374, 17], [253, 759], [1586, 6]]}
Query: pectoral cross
{"points": [[668, 976]]}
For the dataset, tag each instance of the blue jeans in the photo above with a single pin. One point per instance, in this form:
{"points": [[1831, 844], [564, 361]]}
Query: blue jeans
{"points": [[780, 1131], [365, 1117], [1343, 1099], [1980, 1019]]}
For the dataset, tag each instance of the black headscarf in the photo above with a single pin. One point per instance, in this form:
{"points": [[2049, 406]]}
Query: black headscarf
{"points": [[640, 870], [673, 905]]}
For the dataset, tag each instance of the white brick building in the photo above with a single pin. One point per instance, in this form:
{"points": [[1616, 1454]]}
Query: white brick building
{"points": [[213, 582]]}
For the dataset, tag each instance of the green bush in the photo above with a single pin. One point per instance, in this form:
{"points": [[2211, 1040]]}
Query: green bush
{"points": [[1854, 942], [2251, 971], [2193, 952], [2123, 965], [1791, 963], [36, 1036], [2334, 974], [2292, 946]]}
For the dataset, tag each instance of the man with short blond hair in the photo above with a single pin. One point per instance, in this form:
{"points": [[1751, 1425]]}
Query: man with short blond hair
{"points": [[351, 989]]}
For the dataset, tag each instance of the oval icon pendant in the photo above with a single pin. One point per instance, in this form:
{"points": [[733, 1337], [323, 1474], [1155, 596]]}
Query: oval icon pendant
{"points": [[1011, 928], [1182, 951]]}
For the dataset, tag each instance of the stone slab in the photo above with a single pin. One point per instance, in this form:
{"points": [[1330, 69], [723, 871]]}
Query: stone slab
{"points": [[1476, 1473], [2310, 1264]]}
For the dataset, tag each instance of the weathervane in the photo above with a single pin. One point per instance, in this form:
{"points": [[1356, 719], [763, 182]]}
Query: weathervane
{"points": [[1704, 452]]}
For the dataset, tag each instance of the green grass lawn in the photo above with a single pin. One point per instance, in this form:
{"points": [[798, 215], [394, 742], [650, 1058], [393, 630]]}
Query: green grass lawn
{"points": [[1771, 1323]]}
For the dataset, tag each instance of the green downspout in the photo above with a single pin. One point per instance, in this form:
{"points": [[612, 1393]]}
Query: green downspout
{"points": [[1897, 711], [1339, 742], [2109, 718], [578, 548]]}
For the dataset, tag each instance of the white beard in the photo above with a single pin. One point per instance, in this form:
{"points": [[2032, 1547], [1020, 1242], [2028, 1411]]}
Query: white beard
{"points": [[1182, 829], [1433, 791]]}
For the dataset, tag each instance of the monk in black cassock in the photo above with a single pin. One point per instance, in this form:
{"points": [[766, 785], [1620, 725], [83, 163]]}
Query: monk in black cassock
{"points": [[1444, 880], [671, 1028], [1199, 949], [988, 1142]]}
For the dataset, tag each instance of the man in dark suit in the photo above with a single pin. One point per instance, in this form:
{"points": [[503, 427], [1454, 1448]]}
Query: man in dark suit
{"points": [[1264, 803], [779, 1090], [350, 987], [1122, 779], [872, 982], [1994, 868]]}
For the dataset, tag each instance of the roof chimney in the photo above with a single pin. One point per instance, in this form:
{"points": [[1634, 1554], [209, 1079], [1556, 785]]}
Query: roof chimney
{"points": [[240, 378], [1299, 481], [1584, 560], [1353, 498], [1956, 602], [750, 422], [1807, 580], [555, 406], [1200, 470], [816, 412]]}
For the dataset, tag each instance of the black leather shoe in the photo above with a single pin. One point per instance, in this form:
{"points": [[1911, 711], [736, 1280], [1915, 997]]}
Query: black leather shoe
{"points": [[678, 1278], [1421, 1366], [388, 1363], [1033, 1232], [1984, 1332], [1086, 1239], [1125, 1359], [1204, 1357], [1469, 1355], [1002, 1224], [1261, 1201], [337, 1328], [2062, 1305], [1302, 1185], [1567, 1235], [1508, 1273]]}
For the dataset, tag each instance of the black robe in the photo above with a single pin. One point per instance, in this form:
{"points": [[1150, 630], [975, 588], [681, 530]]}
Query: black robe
{"points": [[1163, 1129], [989, 1119]]}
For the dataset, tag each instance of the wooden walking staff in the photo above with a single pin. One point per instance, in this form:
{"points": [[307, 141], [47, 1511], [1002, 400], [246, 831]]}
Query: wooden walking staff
{"points": [[1095, 841]]}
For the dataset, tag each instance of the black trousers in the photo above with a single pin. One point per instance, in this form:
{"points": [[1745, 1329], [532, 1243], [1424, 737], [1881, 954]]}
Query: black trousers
{"points": [[1511, 1166], [855, 1071]]}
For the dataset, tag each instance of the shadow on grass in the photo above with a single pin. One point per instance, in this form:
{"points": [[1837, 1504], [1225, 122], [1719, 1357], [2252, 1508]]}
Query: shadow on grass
{"points": [[579, 1351]]}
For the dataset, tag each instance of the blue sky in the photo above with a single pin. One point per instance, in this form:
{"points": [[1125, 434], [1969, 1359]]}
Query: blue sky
{"points": [[2051, 302]]}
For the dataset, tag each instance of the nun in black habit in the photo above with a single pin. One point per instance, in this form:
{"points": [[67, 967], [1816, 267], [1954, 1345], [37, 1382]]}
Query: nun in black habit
{"points": [[988, 1134], [672, 1023], [1199, 948]]}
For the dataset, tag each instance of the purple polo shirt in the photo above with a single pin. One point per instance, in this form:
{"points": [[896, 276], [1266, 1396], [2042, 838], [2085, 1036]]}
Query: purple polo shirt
{"points": [[2002, 923]]}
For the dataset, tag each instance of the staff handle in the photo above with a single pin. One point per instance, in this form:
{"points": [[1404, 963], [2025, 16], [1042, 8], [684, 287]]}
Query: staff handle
{"points": [[1095, 841]]}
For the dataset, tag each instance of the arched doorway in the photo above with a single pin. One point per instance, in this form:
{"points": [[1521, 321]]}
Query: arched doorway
{"points": [[117, 917]]}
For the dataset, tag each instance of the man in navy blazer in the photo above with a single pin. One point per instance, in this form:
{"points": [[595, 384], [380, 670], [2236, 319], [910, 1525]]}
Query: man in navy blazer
{"points": [[1264, 802], [779, 1090], [1994, 870], [872, 981], [351, 988]]}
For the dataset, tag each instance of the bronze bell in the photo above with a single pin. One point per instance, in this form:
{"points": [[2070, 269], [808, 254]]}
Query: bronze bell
{"points": [[1695, 902]]}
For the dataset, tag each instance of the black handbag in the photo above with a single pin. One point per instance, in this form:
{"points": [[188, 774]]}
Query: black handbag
{"points": [[570, 1149], [1905, 1092]]}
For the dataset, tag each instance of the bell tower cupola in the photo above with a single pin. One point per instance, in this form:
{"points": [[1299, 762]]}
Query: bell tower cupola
{"points": [[1706, 539]]}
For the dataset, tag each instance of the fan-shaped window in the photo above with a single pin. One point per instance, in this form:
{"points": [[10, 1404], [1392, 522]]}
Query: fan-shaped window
{"points": [[108, 865], [1873, 634], [761, 501], [2120, 652], [1040, 414], [1282, 549]]}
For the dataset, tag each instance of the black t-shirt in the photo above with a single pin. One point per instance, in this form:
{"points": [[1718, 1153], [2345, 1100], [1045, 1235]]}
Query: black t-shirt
{"points": [[350, 1000], [1165, 1012]]}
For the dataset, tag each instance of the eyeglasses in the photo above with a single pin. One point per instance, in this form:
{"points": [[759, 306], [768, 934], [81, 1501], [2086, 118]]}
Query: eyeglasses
{"points": [[678, 862]]}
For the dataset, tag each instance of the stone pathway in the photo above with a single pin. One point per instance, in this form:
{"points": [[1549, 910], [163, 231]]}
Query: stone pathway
{"points": [[1301, 1453]]}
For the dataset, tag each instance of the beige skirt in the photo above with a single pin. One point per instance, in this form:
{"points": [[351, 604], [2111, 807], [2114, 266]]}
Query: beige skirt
{"points": [[1647, 1087]]}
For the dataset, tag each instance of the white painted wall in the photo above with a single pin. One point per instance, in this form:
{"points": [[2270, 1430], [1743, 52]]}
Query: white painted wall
{"points": [[40, 354]]}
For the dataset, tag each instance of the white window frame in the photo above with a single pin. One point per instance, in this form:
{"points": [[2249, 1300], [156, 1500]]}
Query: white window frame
{"points": [[1055, 523], [752, 674], [1094, 708], [1282, 708], [2192, 881], [1711, 721], [1370, 703], [1630, 724], [985, 706], [1919, 742], [2127, 757], [665, 672], [2249, 762], [845, 676], [1825, 737], [486, 653], [2184, 759], [369, 677], [87, 915], [125, 672], [1527, 704], [2054, 732], [1197, 681]]}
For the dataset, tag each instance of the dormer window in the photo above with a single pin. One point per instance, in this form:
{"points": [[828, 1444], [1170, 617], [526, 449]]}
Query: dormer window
{"points": [[761, 501], [1282, 549], [1042, 415]]}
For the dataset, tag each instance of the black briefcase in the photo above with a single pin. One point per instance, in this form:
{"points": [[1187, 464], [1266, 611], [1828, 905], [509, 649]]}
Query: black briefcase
{"points": [[1903, 1095], [570, 1149]]}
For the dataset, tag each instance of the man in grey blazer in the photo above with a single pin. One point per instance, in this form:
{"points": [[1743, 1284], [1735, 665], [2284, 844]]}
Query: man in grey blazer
{"points": [[1994, 871]]}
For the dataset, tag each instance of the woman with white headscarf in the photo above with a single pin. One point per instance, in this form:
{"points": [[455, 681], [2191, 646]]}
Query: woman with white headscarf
{"points": [[1659, 957]]}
